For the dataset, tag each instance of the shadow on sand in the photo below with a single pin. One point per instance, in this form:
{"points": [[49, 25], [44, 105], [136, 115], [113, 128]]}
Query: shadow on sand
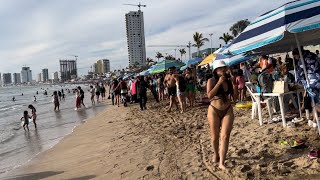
{"points": [[84, 177], [38, 175]]}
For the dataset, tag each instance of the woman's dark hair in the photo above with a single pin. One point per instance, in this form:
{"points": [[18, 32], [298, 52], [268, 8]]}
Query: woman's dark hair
{"points": [[91, 86], [240, 72], [54, 92], [30, 106]]}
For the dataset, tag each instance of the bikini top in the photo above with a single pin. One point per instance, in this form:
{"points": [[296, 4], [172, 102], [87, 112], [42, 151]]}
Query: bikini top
{"points": [[189, 79], [222, 93]]}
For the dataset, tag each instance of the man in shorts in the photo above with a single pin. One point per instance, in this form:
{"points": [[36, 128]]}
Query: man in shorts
{"points": [[170, 84]]}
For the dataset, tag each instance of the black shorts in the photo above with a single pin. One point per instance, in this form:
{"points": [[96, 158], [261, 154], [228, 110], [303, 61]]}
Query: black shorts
{"points": [[117, 92], [98, 93], [172, 91]]}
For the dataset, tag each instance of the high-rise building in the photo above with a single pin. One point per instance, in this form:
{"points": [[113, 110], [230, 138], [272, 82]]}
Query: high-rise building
{"points": [[16, 78], [39, 78], [0, 80], [7, 79], [26, 75], [45, 75], [135, 38], [55, 77], [106, 65], [68, 70], [99, 67], [95, 68]]}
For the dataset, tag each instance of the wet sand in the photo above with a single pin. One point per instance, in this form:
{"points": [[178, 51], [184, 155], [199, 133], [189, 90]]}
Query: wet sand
{"points": [[125, 143]]}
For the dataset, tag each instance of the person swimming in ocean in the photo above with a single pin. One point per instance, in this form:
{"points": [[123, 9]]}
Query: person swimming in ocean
{"points": [[25, 118], [13, 99], [34, 98]]}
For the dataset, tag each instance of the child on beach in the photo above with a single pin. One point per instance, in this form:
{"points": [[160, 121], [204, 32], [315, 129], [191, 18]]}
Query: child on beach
{"points": [[240, 80], [25, 118], [34, 115]]}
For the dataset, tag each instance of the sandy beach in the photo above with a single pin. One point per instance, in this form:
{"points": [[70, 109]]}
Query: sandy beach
{"points": [[126, 143]]}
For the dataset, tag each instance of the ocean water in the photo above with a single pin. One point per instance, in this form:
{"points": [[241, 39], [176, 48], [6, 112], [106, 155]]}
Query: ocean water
{"points": [[18, 147]]}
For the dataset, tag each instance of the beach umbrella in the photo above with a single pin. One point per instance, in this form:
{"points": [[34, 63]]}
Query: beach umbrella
{"points": [[210, 58], [146, 72], [165, 65], [230, 59], [280, 30], [192, 61]]}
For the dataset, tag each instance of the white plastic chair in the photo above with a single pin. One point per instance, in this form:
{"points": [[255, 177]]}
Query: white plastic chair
{"points": [[267, 101]]}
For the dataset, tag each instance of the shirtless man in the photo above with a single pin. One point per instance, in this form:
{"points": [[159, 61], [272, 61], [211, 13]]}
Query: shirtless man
{"points": [[170, 84]]}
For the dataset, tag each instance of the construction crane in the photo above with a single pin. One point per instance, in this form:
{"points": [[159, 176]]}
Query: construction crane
{"points": [[176, 46], [139, 5]]}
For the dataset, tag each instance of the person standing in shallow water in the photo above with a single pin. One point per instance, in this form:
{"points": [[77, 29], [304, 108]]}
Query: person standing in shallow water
{"points": [[33, 115], [220, 111], [56, 101]]}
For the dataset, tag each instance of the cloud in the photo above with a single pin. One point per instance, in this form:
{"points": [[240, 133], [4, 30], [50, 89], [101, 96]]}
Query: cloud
{"points": [[39, 33]]}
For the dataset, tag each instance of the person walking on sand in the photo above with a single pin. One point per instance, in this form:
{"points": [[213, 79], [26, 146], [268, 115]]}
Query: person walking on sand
{"points": [[56, 101], [160, 87], [191, 87], [92, 92], [117, 92], [142, 90], [25, 118], [97, 92], [170, 84], [181, 87], [34, 115], [103, 91], [220, 111]]}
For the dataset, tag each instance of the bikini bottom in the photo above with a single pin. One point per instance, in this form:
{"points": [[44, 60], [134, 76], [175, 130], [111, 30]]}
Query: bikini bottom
{"points": [[221, 113]]}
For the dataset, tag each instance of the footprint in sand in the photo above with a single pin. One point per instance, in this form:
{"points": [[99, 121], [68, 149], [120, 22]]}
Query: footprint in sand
{"points": [[242, 152]]}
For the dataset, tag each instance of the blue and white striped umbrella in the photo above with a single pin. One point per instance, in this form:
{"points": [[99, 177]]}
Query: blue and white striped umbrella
{"points": [[231, 60], [274, 31], [191, 62]]}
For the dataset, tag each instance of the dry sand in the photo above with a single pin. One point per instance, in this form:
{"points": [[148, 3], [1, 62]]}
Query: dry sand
{"points": [[125, 143]]}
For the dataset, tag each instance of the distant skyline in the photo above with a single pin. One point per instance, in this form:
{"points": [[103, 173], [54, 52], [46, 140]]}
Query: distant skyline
{"points": [[39, 33]]}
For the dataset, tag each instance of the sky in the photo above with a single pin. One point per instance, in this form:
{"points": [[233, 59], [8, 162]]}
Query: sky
{"points": [[37, 33]]}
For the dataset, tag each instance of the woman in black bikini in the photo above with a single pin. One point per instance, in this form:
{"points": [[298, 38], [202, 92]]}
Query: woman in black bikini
{"points": [[220, 112]]}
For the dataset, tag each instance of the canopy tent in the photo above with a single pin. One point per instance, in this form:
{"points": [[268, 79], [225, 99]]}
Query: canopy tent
{"points": [[210, 58], [165, 65], [191, 62], [280, 30]]}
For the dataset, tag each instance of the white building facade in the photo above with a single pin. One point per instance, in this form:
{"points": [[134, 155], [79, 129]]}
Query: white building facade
{"points": [[136, 38]]}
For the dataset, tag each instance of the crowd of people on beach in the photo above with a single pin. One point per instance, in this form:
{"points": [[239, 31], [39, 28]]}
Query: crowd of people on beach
{"points": [[221, 87]]}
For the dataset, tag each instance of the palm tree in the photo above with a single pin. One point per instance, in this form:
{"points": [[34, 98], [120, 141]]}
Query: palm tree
{"points": [[159, 55], [149, 61], [226, 37], [199, 41], [182, 52], [238, 27], [169, 57]]}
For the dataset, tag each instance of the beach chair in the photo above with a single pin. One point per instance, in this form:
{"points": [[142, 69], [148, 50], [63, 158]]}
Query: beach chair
{"points": [[267, 101]]}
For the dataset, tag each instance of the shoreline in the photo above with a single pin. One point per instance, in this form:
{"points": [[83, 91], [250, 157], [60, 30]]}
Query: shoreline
{"points": [[30, 161], [126, 143]]}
